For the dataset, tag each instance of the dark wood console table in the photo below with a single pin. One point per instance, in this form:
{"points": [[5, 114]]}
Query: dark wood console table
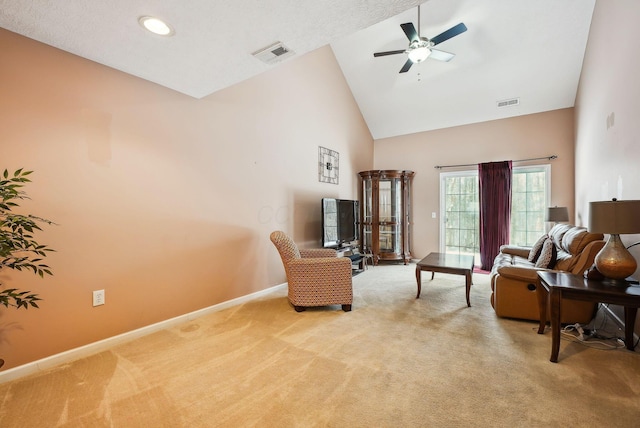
{"points": [[560, 285]]}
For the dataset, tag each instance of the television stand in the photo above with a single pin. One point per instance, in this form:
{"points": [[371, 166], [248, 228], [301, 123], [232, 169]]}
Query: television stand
{"points": [[356, 258], [359, 259]]}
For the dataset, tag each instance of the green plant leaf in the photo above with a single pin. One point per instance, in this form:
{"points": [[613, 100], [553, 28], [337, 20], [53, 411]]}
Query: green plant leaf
{"points": [[18, 248]]}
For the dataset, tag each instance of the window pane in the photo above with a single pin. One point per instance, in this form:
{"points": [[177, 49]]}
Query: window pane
{"points": [[518, 221], [519, 238], [528, 204], [518, 200], [453, 237], [536, 182], [452, 202], [453, 187]]}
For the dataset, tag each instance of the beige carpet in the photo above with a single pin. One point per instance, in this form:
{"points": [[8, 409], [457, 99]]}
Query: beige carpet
{"points": [[393, 361]]}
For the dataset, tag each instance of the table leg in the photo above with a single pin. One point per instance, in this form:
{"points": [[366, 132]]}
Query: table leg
{"points": [[542, 295], [629, 323], [418, 279], [555, 299], [468, 280]]}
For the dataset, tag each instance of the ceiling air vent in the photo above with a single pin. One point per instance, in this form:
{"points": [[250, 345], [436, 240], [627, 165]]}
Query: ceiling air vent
{"points": [[509, 103], [275, 53]]}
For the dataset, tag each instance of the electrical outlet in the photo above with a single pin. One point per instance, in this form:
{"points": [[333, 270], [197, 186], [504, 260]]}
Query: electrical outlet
{"points": [[98, 297]]}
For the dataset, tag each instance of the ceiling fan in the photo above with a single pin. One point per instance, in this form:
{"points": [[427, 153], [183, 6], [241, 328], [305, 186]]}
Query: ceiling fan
{"points": [[421, 48]]}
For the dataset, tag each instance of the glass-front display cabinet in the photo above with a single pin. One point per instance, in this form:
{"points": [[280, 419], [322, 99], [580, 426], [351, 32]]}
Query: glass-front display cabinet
{"points": [[385, 204]]}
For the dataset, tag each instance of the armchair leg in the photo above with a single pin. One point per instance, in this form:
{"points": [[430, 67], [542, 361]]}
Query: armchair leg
{"points": [[299, 308], [346, 308]]}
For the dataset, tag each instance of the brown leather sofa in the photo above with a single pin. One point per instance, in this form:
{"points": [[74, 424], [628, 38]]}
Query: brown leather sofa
{"points": [[514, 277]]}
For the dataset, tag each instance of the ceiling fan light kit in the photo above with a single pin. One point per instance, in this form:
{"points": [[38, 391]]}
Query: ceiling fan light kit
{"points": [[419, 53], [421, 48]]}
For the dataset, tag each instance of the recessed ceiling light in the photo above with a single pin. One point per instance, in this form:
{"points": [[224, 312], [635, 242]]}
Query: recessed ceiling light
{"points": [[156, 26]]}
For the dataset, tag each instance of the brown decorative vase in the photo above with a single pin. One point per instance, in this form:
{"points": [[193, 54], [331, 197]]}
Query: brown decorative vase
{"points": [[614, 261]]}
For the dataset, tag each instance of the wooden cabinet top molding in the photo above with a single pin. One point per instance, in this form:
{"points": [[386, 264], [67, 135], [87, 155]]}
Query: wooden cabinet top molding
{"points": [[386, 173]]}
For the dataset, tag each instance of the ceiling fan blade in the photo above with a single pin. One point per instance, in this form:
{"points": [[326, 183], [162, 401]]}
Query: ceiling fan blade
{"points": [[441, 55], [451, 32], [388, 53], [410, 31], [407, 65]]}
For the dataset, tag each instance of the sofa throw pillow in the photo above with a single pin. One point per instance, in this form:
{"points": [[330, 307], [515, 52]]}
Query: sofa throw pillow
{"points": [[537, 248], [547, 258]]}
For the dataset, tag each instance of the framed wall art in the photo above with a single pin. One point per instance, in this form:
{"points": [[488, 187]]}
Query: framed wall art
{"points": [[328, 165]]}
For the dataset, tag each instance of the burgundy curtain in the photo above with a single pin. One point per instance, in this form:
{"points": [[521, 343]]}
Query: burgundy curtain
{"points": [[495, 209]]}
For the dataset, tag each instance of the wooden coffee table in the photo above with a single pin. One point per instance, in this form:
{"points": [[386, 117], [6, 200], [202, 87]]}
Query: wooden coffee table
{"points": [[456, 264]]}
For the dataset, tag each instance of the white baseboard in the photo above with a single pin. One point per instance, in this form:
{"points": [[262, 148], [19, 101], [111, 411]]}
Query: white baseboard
{"points": [[96, 347]]}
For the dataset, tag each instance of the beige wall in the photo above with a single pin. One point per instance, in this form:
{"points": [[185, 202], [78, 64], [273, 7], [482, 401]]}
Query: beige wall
{"points": [[523, 137], [164, 201], [608, 111]]}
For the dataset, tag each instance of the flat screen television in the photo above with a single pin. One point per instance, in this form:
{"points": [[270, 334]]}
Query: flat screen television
{"points": [[340, 221]]}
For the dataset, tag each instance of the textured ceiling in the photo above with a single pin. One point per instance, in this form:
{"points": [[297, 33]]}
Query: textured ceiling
{"points": [[213, 40], [531, 49]]}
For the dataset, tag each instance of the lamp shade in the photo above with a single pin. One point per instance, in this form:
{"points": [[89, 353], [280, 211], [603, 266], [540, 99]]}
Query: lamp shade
{"points": [[614, 217], [557, 214]]}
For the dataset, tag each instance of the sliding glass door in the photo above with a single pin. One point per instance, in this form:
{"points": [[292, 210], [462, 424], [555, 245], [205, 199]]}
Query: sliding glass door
{"points": [[459, 224], [459, 208]]}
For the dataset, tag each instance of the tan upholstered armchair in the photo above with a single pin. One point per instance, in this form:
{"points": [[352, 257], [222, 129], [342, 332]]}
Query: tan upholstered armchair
{"points": [[315, 277]]}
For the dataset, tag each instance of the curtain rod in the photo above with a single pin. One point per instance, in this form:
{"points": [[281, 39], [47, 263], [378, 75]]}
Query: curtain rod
{"points": [[552, 157]]}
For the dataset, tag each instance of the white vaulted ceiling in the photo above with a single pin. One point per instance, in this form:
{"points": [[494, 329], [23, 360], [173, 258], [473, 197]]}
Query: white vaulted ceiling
{"points": [[531, 49]]}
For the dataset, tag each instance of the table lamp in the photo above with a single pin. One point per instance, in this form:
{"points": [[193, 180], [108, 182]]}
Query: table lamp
{"points": [[557, 214], [614, 217]]}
